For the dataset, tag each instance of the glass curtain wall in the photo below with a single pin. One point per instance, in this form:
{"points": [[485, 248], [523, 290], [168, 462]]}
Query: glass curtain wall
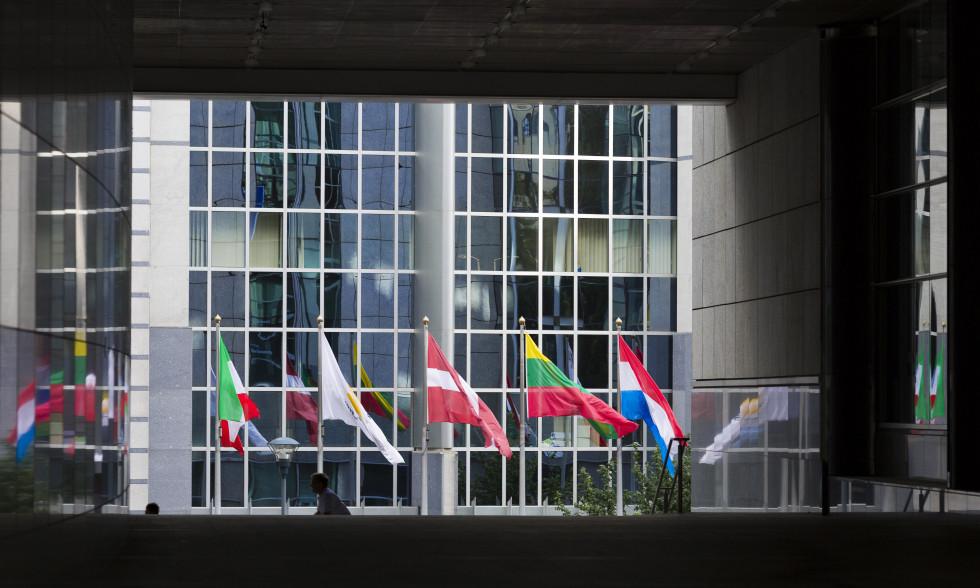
{"points": [[300, 210], [911, 239], [566, 216]]}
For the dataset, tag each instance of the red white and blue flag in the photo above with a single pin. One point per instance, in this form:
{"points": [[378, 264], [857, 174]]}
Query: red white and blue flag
{"points": [[23, 434], [642, 399]]}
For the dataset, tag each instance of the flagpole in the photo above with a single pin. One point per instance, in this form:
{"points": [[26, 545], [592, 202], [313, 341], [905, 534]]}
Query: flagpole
{"points": [[424, 510], [216, 506], [319, 396], [523, 430], [619, 440]]}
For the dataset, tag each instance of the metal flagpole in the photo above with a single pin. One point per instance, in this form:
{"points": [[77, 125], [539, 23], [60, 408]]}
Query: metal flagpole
{"points": [[425, 409], [619, 440], [523, 431], [216, 506], [319, 396]]}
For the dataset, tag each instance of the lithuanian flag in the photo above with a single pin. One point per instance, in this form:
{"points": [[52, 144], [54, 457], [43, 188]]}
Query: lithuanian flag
{"points": [[551, 393]]}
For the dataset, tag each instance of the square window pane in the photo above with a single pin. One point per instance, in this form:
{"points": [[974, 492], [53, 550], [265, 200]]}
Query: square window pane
{"points": [[302, 299], [593, 130], [227, 179], [378, 241], [303, 245], [378, 182], [339, 241], [378, 126], [340, 181], [341, 126], [265, 299], [228, 239], [339, 300], [266, 239], [303, 180]]}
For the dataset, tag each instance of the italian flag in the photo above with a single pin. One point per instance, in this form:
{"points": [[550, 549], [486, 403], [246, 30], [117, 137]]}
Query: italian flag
{"points": [[235, 408], [937, 393], [551, 393], [922, 408]]}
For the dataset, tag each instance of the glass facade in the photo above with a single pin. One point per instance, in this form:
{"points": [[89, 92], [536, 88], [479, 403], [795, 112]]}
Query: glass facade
{"points": [[65, 168], [300, 210], [564, 215]]}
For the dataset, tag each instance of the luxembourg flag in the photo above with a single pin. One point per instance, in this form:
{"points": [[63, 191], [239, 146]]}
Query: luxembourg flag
{"points": [[642, 399], [23, 433]]}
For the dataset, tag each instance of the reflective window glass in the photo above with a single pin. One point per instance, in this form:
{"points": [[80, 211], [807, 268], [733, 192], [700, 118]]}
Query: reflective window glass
{"points": [[522, 254], [628, 130], [487, 178], [662, 246], [522, 301], [227, 178], [406, 242], [593, 187], [593, 244], [228, 298], [593, 130], [557, 184], [302, 299], [523, 125], [406, 182], [304, 125], [662, 304], [377, 301], [339, 241], [378, 182], [198, 189], [228, 124], [628, 187], [199, 110], [265, 300], [378, 126], [341, 126], [486, 243], [488, 128], [339, 300], [485, 361], [303, 180], [593, 303], [378, 241], [303, 240], [265, 363], [228, 239], [522, 185], [486, 304], [406, 296], [340, 181], [663, 129], [559, 130], [406, 126], [627, 251], [267, 179], [267, 125], [265, 243], [628, 302]]}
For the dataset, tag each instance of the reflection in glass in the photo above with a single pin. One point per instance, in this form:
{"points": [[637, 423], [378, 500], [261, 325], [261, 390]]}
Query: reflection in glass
{"points": [[267, 179], [377, 301], [267, 125], [460, 301], [303, 180], [378, 182], [460, 243], [264, 352], [523, 126], [628, 246], [199, 110], [593, 303], [265, 246], [523, 244], [198, 188], [304, 125], [522, 189], [228, 125], [559, 130], [628, 187], [488, 128], [486, 246], [628, 130], [406, 365], [406, 126], [265, 300], [406, 295], [522, 301], [557, 299], [593, 244], [592, 364], [378, 241], [228, 298], [303, 245], [406, 182], [302, 299], [340, 181], [227, 179], [269, 403], [487, 177], [460, 183], [557, 183], [339, 300], [662, 246], [228, 239], [406, 241], [198, 237], [486, 304], [593, 130], [628, 302], [462, 127], [663, 186], [485, 366], [912, 233], [378, 126], [661, 304], [339, 241], [341, 126], [558, 242], [663, 129], [659, 359], [197, 299], [377, 353], [593, 187]]}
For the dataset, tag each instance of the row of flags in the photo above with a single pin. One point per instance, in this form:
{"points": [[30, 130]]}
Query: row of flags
{"points": [[930, 387], [452, 400]]}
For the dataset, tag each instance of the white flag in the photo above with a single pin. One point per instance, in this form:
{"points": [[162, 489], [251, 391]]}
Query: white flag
{"points": [[340, 403]]}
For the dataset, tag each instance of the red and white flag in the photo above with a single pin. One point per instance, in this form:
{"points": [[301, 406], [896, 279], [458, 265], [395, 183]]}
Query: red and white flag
{"points": [[300, 404], [451, 400]]}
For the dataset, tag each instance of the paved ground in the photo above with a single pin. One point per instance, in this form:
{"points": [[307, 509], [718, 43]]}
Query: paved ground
{"points": [[665, 550]]}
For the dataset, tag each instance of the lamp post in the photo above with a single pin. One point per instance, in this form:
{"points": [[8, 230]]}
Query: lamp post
{"points": [[283, 447]]}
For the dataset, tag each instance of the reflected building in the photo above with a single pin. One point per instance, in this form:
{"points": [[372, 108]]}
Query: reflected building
{"points": [[371, 216]]}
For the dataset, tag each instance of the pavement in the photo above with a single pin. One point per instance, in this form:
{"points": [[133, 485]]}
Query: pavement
{"points": [[661, 550]]}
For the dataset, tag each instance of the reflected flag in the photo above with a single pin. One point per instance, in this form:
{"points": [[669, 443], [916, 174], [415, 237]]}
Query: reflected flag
{"points": [[22, 434], [922, 381], [300, 404], [937, 392], [642, 399], [380, 403]]}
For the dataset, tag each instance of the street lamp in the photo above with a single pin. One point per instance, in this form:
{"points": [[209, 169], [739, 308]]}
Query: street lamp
{"points": [[283, 447]]}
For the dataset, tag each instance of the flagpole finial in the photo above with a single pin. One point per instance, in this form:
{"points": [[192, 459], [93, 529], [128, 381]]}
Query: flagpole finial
{"points": [[319, 320], [619, 322], [217, 318], [520, 321], [425, 321]]}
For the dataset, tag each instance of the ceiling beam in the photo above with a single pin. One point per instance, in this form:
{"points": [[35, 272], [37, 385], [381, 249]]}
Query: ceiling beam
{"points": [[438, 86]]}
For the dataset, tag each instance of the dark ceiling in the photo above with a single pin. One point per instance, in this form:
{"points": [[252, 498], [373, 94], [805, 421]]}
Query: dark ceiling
{"points": [[464, 48]]}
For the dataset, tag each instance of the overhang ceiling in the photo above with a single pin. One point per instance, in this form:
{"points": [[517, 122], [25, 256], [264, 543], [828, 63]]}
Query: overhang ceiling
{"points": [[463, 49]]}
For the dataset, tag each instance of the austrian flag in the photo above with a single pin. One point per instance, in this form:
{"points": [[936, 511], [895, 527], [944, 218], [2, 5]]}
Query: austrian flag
{"points": [[451, 400]]}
